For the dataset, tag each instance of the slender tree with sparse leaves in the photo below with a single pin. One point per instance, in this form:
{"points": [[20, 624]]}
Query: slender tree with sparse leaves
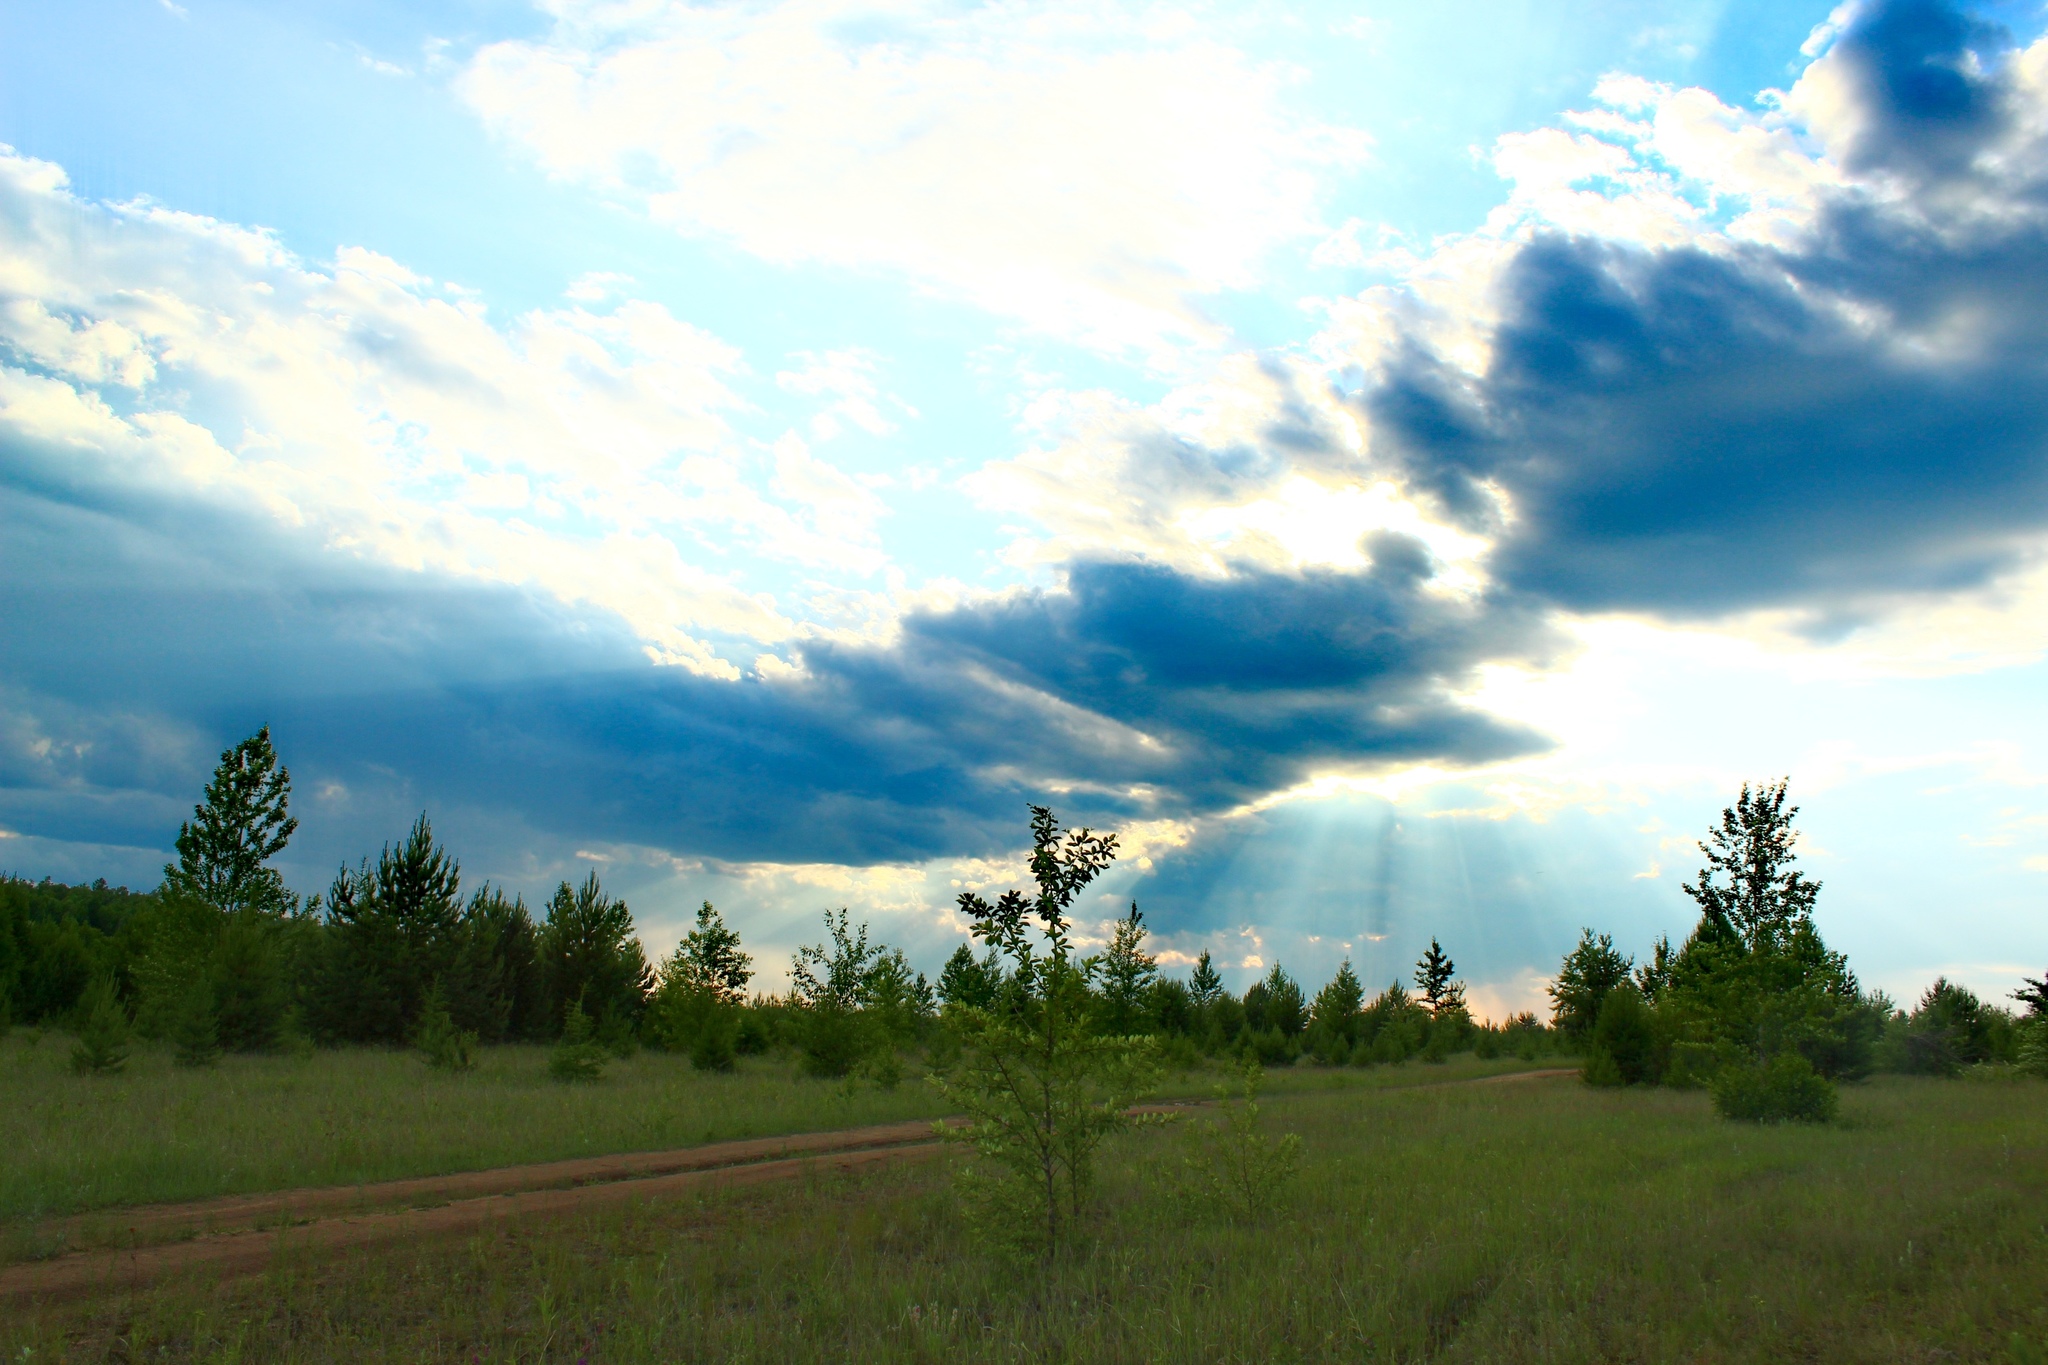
{"points": [[1040, 1089]]}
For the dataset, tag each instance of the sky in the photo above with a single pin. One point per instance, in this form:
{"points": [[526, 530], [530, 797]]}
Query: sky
{"points": [[1402, 467]]}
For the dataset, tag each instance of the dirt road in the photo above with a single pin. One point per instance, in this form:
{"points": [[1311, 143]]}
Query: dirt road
{"points": [[245, 1233]]}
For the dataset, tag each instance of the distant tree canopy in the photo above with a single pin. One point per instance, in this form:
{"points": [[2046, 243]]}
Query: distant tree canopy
{"points": [[223, 956]]}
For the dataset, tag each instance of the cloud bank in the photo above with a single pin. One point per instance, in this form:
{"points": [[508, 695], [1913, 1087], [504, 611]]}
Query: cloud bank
{"points": [[1703, 361]]}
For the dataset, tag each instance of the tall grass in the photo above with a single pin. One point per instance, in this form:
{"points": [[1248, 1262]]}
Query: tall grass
{"points": [[158, 1132], [1531, 1222]]}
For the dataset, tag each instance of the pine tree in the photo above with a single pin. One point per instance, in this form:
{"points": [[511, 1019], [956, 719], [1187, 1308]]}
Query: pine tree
{"points": [[102, 1046], [1206, 983], [1588, 972], [1434, 971], [593, 956], [1762, 899], [393, 936], [195, 1032], [578, 1057], [969, 983], [442, 1044], [243, 821], [1337, 1004]]}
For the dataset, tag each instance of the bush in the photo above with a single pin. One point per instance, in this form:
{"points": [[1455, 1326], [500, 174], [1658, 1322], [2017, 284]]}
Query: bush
{"points": [[1625, 1047], [1234, 1166], [578, 1057], [102, 1046], [833, 1039], [195, 1033], [713, 1049], [2032, 1054], [1785, 1089], [442, 1045]]}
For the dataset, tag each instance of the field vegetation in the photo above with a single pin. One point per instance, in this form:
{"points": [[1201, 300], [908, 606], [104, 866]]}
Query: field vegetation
{"points": [[1532, 1221]]}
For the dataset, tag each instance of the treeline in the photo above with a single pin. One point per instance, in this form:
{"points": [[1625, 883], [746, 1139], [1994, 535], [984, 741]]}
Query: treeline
{"points": [[1756, 1007], [223, 956]]}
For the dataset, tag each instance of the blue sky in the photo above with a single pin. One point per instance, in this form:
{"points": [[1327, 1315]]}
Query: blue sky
{"points": [[1402, 465]]}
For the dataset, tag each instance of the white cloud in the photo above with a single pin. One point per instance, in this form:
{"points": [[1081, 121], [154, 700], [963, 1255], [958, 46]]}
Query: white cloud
{"points": [[846, 380], [584, 452], [1083, 168]]}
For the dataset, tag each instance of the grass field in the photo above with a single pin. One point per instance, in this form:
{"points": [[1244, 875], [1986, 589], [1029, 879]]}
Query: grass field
{"points": [[158, 1132], [1536, 1221]]}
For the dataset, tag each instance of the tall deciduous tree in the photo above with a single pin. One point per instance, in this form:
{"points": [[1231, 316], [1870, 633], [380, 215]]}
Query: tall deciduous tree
{"points": [[242, 821], [1040, 1089]]}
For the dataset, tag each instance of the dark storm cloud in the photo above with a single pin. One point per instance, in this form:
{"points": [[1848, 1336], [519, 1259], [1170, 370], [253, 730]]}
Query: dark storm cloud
{"points": [[1693, 432], [1209, 693]]}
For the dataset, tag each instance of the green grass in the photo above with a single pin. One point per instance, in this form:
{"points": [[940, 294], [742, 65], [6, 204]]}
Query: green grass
{"points": [[1539, 1221], [158, 1133]]}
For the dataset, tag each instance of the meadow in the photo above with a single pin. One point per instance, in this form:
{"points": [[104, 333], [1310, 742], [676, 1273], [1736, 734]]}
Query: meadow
{"points": [[157, 1132], [1539, 1220]]}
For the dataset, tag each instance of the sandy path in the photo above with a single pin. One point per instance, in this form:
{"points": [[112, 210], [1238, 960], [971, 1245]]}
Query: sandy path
{"points": [[241, 1253], [345, 1216]]}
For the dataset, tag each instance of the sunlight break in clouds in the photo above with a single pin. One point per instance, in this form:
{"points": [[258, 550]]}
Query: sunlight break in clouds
{"points": [[1086, 169]]}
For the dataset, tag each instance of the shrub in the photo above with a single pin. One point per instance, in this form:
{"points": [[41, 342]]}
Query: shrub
{"points": [[1625, 1047], [578, 1057], [1233, 1164], [714, 1047], [832, 1039], [102, 1046], [195, 1035], [442, 1045], [1040, 1091], [2032, 1054], [1270, 1047], [1784, 1089]]}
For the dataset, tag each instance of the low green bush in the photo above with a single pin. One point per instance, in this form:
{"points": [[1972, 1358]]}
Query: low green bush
{"points": [[195, 1030], [1784, 1089], [442, 1045], [102, 1046], [1625, 1048], [579, 1056]]}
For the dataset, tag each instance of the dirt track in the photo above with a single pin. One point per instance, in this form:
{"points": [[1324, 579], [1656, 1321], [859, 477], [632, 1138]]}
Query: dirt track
{"points": [[234, 1238]]}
